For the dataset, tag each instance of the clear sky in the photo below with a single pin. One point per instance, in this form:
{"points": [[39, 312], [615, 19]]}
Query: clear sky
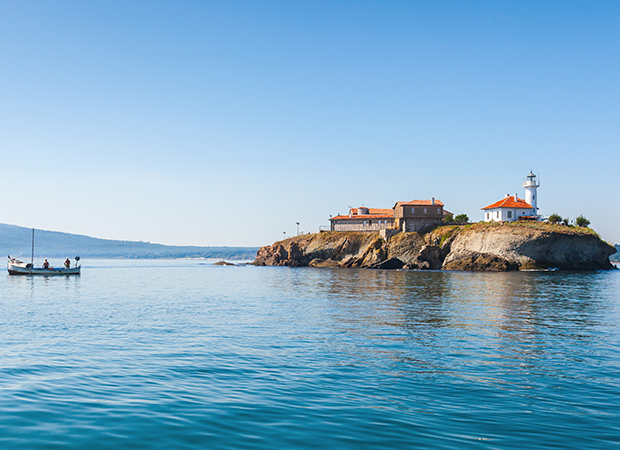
{"points": [[226, 122]]}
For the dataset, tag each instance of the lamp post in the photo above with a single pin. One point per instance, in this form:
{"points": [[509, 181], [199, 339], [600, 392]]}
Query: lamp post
{"points": [[284, 234], [297, 228]]}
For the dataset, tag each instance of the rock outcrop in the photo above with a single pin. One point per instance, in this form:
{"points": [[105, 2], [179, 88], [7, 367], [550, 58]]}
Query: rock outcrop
{"points": [[478, 247]]}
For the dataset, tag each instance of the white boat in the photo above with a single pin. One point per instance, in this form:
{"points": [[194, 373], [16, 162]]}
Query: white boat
{"points": [[17, 267]]}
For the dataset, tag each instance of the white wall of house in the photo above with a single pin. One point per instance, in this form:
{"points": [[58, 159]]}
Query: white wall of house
{"points": [[505, 214]]}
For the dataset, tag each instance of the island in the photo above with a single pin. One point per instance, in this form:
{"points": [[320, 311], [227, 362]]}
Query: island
{"points": [[483, 246]]}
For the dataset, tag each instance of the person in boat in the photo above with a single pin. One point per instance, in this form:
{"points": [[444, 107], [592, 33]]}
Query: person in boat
{"points": [[46, 265], [67, 263]]}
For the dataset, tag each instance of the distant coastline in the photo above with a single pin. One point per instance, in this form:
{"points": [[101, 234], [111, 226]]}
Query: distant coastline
{"points": [[15, 241], [615, 258]]}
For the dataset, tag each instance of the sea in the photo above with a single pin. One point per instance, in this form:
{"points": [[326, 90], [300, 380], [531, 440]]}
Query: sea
{"points": [[183, 354]]}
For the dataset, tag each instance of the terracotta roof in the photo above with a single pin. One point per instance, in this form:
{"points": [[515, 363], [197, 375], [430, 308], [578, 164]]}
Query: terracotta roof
{"points": [[373, 211], [420, 203], [510, 202], [366, 216]]}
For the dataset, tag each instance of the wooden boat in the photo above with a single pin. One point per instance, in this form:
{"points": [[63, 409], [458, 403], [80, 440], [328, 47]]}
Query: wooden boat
{"points": [[17, 267]]}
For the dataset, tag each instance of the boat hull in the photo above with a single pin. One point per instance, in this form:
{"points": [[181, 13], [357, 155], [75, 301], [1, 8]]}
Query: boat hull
{"points": [[17, 270]]}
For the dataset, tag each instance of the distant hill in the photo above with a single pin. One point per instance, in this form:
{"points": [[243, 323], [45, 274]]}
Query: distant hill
{"points": [[616, 256], [16, 241]]}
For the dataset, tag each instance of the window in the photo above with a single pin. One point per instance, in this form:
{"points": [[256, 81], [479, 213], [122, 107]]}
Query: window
{"points": [[510, 214], [438, 211], [412, 210], [370, 222], [488, 214], [365, 223], [424, 210]]}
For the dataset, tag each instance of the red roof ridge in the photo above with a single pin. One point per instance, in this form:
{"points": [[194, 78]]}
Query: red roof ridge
{"points": [[509, 202], [421, 203], [364, 216]]}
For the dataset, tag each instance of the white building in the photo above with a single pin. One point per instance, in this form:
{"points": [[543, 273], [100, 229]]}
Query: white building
{"points": [[512, 208]]}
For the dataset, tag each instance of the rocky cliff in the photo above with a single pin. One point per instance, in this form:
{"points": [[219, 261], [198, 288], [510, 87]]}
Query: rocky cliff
{"points": [[480, 247]]}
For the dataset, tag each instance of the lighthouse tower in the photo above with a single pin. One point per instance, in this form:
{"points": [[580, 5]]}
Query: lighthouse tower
{"points": [[530, 184]]}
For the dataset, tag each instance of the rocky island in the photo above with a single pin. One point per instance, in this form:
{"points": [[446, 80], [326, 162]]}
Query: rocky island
{"points": [[476, 247]]}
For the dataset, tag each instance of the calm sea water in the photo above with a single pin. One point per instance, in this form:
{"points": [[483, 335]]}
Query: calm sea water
{"points": [[184, 354]]}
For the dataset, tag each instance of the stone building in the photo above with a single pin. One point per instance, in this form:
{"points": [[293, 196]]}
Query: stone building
{"points": [[418, 214], [363, 219], [409, 216]]}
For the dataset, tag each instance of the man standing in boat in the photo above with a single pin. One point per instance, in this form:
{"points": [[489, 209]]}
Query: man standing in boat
{"points": [[67, 263], [46, 265]]}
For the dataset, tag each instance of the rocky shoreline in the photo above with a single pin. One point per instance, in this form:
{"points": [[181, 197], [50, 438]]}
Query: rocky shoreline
{"points": [[477, 247]]}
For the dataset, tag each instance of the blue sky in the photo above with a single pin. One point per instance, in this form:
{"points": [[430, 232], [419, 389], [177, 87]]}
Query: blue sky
{"points": [[224, 123]]}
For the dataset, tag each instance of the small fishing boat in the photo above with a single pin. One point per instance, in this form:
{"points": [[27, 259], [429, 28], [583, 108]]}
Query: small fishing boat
{"points": [[17, 267]]}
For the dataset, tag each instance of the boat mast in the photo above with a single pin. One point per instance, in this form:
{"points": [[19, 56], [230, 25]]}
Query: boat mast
{"points": [[32, 254]]}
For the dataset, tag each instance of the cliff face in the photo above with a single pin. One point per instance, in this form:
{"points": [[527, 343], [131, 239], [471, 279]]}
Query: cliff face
{"points": [[476, 247]]}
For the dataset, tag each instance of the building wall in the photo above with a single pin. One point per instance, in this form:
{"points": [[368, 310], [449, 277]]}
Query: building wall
{"points": [[361, 224], [428, 211], [505, 214], [415, 224]]}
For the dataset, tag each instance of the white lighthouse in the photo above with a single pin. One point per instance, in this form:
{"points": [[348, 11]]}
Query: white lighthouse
{"points": [[530, 184]]}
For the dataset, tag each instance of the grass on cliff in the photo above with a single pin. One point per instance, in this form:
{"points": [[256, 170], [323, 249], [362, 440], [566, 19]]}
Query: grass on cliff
{"points": [[329, 236], [540, 226]]}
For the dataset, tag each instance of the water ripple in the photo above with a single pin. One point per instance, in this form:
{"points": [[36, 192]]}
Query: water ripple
{"points": [[179, 354]]}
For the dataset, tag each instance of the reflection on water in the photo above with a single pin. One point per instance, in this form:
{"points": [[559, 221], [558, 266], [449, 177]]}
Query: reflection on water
{"points": [[179, 354]]}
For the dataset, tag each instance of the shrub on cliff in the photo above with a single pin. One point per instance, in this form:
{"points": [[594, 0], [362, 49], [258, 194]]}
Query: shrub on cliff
{"points": [[555, 218], [461, 218], [449, 218], [582, 222]]}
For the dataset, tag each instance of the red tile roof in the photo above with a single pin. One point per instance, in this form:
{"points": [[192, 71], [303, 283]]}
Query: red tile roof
{"points": [[420, 203], [510, 202], [366, 216], [374, 211]]}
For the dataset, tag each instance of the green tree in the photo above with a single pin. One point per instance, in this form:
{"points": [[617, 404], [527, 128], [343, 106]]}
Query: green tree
{"points": [[461, 218], [555, 218], [449, 218], [566, 221], [582, 221]]}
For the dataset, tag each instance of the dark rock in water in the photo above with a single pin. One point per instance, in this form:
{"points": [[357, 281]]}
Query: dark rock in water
{"points": [[480, 262], [392, 263], [223, 263], [429, 258]]}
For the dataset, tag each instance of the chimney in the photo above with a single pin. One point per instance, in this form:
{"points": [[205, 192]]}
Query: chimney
{"points": [[516, 198], [433, 201], [507, 195]]}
